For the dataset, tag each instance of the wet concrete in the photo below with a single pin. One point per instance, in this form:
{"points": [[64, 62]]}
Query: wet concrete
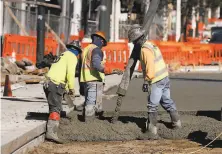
{"points": [[198, 97], [131, 127]]}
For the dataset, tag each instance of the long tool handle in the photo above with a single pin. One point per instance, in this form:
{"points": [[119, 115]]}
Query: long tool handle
{"points": [[123, 86], [56, 36], [148, 18]]}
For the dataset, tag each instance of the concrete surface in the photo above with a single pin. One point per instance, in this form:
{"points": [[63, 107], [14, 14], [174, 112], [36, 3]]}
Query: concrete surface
{"points": [[24, 118], [191, 92]]}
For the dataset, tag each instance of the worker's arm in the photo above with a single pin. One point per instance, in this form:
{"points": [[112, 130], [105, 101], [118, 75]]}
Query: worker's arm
{"points": [[71, 70], [147, 57], [97, 58]]}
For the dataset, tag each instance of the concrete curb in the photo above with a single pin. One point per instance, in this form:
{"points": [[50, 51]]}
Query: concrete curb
{"points": [[14, 145]]}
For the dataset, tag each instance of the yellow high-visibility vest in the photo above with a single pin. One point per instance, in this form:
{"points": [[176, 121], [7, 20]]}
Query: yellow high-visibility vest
{"points": [[161, 70], [88, 73]]}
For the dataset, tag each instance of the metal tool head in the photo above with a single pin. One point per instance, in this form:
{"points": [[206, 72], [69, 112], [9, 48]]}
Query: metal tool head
{"points": [[68, 100], [135, 33]]}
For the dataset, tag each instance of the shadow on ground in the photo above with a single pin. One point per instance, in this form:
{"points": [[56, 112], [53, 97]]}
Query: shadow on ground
{"points": [[33, 99], [200, 137], [41, 116]]}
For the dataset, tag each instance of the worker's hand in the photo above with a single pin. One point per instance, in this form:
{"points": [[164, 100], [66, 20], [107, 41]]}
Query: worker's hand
{"points": [[147, 87], [71, 93], [117, 71]]}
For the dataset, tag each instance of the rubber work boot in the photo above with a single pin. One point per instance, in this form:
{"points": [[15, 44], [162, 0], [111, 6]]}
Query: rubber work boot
{"points": [[89, 113], [52, 128], [151, 124], [175, 118]]}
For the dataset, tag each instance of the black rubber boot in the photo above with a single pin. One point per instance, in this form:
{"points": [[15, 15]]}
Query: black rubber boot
{"points": [[175, 118], [51, 134], [151, 123], [89, 113], [151, 127]]}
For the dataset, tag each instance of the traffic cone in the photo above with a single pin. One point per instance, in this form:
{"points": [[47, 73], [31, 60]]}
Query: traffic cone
{"points": [[7, 88]]}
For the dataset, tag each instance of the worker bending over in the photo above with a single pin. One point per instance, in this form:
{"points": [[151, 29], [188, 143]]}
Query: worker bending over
{"points": [[93, 73], [156, 80], [61, 77]]}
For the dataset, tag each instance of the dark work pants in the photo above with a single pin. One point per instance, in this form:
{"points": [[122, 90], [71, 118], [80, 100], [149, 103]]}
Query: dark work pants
{"points": [[54, 94]]}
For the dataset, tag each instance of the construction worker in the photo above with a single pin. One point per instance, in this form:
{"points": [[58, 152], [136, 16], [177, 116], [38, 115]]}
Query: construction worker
{"points": [[93, 76], [156, 79], [60, 78]]}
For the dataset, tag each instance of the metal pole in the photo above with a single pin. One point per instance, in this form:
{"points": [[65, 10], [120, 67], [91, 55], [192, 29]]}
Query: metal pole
{"points": [[40, 33], [104, 20], [76, 19], [23, 16], [178, 22], [89, 13], [48, 21], [165, 25], [28, 20]]}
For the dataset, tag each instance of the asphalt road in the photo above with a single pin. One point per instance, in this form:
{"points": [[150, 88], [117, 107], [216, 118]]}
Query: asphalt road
{"points": [[191, 92]]}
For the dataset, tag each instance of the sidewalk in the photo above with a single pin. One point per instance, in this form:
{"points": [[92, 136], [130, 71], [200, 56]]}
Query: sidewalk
{"points": [[23, 118]]}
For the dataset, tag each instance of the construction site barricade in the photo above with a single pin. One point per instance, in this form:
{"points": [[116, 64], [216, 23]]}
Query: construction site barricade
{"points": [[194, 54], [217, 55], [74, 38], [116, 55], [25, 47]]}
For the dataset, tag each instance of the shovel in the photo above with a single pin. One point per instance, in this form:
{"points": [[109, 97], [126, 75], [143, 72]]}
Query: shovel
{"points": [[68, 100]]}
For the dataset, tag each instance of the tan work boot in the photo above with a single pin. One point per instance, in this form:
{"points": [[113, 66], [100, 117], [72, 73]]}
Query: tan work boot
{"points": [[51, 133], [175, 118]]}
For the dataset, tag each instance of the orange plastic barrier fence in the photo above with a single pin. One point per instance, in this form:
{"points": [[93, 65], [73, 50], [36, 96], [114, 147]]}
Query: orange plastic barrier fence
{"points": [[190, 53], [25, 46], [217, 55], [116, 54], [193, 40]]}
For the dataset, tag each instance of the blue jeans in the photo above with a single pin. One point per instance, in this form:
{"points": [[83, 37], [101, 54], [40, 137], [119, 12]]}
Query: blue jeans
{"points": [[160, 94], [93, 97]]}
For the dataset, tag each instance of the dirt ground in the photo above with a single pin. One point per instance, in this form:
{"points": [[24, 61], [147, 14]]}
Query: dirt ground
{"points": [[126, 147]]}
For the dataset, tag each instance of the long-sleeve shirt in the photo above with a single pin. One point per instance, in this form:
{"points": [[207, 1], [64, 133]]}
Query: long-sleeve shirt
{"points": [[63, 71], [147, 57], [97, 58]]}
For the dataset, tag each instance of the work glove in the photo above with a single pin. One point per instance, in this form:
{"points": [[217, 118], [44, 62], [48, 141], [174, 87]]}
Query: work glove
{"points": [[117, 71], [46, 83], [71, 94], [147, 87]]}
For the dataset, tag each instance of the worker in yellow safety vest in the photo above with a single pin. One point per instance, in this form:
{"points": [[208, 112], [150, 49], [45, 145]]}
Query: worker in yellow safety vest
{"points": [[60, 78], [93, 73], [156, 79]]}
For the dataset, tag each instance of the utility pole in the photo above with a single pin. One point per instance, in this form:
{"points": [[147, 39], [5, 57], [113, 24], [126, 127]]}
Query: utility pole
{"points": [[40, 32], [178, 22]]}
